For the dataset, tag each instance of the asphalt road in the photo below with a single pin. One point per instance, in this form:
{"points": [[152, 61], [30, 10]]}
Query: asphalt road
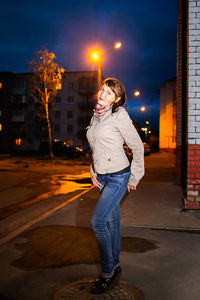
{"points": [[163, 265]]}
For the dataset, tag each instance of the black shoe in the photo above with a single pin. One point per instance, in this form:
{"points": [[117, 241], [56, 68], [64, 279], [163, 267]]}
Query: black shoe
{"points": [[103, 284]]}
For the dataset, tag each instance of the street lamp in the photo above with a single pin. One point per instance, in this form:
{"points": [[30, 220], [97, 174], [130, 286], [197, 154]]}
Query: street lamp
{"points": [[97, 57], [137, 93], [142, 108]]}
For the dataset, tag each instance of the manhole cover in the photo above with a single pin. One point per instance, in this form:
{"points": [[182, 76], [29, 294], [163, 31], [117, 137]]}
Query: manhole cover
{"points": [[80, 290]]}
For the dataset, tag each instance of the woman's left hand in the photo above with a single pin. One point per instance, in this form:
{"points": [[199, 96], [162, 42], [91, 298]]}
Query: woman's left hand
{"points": [[131, 187]]}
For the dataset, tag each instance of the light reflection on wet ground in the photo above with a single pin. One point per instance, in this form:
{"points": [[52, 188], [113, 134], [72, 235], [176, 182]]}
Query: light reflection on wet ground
{"points": [[41, 189], [70, 183]]}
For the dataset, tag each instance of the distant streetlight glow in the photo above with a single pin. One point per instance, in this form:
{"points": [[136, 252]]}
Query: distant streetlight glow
{"points": [[143, 108], [118, 45], [137, 93], [147, 122]]}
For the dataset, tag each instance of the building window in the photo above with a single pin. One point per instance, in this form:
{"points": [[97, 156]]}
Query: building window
{"points": [[18, 113], [70, 114], [70, 100], [0, 113], [18, 142], [1, 85], [70, 142], [70, 128], [57, 114], [30, 115], [70, 86], [58, 99], [19, 84], [57, 128], [18, 99], [0, 127]]}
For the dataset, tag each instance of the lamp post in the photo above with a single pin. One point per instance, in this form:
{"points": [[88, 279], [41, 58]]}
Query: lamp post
{"points": [[97, 56]]}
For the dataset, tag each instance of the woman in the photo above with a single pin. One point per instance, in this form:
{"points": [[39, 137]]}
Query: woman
{"points": [[111, 172]]}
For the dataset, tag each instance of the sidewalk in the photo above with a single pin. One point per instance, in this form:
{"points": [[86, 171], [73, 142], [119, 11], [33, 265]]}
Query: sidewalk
{"points": [[62, 249], [157, 203]]}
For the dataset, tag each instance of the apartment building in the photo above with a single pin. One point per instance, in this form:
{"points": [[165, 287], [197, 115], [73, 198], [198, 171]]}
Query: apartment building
{"points": [[167, 118], [22, 123]]}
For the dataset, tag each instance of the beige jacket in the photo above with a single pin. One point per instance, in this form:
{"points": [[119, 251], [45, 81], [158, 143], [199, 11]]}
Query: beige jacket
{"points": [[106, 135]]}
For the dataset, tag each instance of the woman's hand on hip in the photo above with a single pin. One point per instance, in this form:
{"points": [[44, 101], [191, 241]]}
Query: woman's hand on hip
{"points": [[95, 181], [131, 187]]}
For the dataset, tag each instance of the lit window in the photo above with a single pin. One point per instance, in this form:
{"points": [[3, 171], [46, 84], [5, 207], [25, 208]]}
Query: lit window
{"points": [[70, 142], [18, 142], [0, 127], [0, 85]]}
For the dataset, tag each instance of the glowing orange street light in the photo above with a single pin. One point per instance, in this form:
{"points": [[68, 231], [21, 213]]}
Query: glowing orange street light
{"points": [[96, 56], [118, 45], [143, 108], [137, 93]]}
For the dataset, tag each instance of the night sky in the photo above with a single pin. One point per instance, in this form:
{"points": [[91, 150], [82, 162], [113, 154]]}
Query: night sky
{"points": [[69, 28]]}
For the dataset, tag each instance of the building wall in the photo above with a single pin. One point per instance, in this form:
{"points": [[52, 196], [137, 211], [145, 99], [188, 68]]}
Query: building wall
{"points": [[21, 127], [192, 200], [167, 121], [77, 100]]}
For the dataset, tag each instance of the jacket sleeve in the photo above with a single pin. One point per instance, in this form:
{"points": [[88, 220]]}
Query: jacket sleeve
{"points": [[134, 142]]}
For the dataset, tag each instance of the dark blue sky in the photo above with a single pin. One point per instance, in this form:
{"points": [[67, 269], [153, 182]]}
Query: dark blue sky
{"points": [[69, 28]]}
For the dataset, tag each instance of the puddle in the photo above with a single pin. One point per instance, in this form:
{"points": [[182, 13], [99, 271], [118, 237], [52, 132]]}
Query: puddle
{"points": [[70, 183], [58, 246], [47, 188]]}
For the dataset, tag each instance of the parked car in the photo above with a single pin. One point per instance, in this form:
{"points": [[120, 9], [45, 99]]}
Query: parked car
{"points": [[61, 148]]}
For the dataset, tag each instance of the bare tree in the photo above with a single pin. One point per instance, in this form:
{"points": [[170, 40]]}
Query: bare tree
{"points": [[45, 82]]}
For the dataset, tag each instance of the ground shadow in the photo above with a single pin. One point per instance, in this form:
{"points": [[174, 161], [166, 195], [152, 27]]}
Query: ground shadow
{"points": [[60, 245]]}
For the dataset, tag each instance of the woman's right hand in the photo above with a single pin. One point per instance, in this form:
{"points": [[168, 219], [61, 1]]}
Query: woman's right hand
{"points": [[95, 182]]}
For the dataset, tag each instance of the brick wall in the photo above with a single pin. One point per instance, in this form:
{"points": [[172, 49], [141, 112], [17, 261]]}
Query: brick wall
{"points": [[192, 200]]}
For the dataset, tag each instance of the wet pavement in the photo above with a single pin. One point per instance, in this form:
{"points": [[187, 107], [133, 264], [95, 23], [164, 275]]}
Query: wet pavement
{"points": [[160, 246]]}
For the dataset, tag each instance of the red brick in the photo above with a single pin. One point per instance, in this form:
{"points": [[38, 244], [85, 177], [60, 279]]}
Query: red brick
{"points": [[191, 152], [191, 175], [192, 157], [193, 146], [197, 175], [191, 163], [193, 181], [197, 163], [193, 193], [194, 170], [197, 187], [190, 186], [192, 205], [197, 152], [191, 198]]}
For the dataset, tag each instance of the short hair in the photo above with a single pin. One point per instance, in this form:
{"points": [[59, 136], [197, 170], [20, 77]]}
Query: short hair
{"points": [[118, 89]]}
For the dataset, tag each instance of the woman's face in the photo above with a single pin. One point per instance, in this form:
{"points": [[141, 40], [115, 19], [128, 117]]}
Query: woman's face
{"points": [[106, 96]]}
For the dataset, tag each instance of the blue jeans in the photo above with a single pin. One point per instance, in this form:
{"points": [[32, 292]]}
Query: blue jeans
{"points": [[106, 219]]}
